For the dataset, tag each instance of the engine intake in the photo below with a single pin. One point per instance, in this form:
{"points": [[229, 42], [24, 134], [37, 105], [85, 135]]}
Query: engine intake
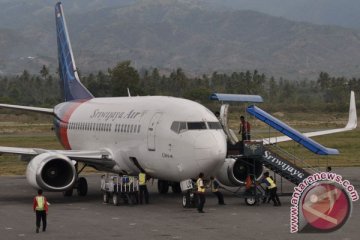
{"points": [[234, 171], [51, 172]]}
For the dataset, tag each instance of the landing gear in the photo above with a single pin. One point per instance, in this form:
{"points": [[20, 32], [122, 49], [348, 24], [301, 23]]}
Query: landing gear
{"points": [[175, 187], [163, 186], [82, 186]]}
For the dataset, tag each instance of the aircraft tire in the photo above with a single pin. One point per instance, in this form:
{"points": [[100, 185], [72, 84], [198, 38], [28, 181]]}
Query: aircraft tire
{"points": [[163, 186], [82, 186], [175, 187]]}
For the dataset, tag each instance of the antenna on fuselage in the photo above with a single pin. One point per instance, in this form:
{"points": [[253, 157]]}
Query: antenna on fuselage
{"points": [[128, 90]]}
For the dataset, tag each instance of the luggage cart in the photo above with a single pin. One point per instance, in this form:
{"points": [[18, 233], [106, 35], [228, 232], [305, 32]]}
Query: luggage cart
{"points": [[190, 197], [118, 188]]}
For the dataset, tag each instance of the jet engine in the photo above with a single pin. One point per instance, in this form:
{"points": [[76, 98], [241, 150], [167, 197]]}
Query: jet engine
{"points": [[234, 171], [51, 172]]}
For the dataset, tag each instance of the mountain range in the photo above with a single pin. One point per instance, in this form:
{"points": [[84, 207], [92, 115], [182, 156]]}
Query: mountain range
{"points": [[191, 34]]}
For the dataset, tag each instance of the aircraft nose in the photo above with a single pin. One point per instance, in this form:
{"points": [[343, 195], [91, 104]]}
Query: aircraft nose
{"points": [[210, 150]]}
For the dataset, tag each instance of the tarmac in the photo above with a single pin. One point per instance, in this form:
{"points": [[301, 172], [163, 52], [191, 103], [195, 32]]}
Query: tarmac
{"points": [[164, 218]]}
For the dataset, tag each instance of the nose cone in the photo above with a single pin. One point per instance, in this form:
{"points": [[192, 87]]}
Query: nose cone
{"points": [[210, 150]]}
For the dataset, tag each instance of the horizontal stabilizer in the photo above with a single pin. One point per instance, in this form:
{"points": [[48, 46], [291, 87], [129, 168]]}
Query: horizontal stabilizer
{"points": [[236, 97], [275, 123], [27, 108]]}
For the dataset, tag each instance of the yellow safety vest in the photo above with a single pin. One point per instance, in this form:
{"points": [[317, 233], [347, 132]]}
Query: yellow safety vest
{"points": [[142, 178], [213, 189], [40, 203], [272, 184], [200, 185]]}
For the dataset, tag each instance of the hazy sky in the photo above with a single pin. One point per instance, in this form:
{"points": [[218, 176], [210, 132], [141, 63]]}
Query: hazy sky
{"points": [[334, 12]]}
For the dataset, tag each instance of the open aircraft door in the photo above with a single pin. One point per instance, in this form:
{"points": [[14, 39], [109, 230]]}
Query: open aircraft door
{"points": [[151, 133], [224, 122], [225, 108]]}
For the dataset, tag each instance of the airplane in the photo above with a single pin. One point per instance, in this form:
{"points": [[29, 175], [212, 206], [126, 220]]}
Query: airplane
{"points": [[171, 139]]}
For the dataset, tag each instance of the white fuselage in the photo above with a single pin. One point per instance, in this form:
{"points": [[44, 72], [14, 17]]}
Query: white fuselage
{"points": [[170, 138]]}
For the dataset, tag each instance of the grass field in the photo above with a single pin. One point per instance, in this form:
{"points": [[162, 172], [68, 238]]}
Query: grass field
{"points": [[38, 134]]}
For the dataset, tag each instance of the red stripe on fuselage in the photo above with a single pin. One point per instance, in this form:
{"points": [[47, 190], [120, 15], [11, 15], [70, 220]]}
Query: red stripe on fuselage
{"points": [[64, 122]]}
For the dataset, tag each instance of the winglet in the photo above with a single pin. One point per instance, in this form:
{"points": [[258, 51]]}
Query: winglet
{"points": [[352, 122], [71, 85]]}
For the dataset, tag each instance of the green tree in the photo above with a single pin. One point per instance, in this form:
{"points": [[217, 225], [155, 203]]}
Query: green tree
{"points": [[123, 77], [44, 72]]}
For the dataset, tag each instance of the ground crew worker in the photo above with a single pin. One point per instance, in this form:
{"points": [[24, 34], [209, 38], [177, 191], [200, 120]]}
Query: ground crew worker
{"points": [[272, 189], [250, 185], [143, 191], [201, 192], [214, 184], [40, 207], [245, 132], [244, 129]]}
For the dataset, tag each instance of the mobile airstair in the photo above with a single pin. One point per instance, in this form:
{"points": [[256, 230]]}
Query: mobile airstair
{"points": [[270, 155], [276, 159]]}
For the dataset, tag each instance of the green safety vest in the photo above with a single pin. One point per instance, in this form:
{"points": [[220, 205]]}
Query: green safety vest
{"points": [[40, 203]]}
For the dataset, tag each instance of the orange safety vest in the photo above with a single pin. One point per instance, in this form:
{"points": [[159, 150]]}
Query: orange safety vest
{"points": [[248, 182]]}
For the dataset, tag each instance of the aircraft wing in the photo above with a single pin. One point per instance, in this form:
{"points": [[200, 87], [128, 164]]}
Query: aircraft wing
{"points": [[97, 158], [351, 125]]}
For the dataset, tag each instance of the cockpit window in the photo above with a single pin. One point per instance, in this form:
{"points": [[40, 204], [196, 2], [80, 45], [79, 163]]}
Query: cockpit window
{"points": [[214, 125], [196, 125], [175, 126], [179, 127], [182, 127]]}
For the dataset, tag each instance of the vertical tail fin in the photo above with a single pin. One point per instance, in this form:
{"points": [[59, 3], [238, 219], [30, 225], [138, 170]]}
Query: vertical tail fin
{"points": [[71, 85]]}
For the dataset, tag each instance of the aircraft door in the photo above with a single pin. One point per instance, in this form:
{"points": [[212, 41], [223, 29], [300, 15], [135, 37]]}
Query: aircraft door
{"points": [[151, 133], [224, 122]]}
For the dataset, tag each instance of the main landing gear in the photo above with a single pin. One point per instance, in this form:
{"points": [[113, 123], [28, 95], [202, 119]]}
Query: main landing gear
{"points": [[163, 187], [80, 185]]}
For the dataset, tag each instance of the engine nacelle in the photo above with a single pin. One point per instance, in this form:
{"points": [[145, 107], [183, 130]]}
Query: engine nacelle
{"points": [[235, 171], [51, 172]]}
